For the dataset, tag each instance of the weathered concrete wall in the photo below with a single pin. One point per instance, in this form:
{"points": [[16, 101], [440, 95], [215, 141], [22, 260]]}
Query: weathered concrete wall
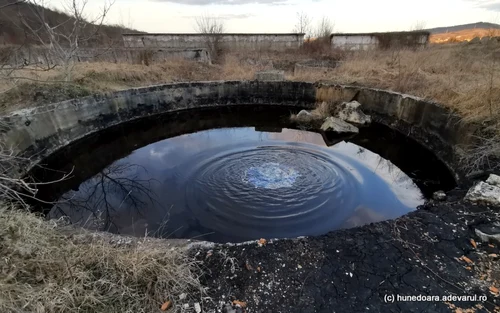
{"points": [[40, 131], [372, 41], [314, 67], [228, 41], [40, 55]]}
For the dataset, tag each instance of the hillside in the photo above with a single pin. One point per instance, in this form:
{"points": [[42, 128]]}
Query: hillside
{"points": [[465, 32], [464, 27], [12, 30]]}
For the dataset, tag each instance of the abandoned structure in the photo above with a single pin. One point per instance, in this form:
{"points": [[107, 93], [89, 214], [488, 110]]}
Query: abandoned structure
{"points": [[372, 41], [228, 41]]}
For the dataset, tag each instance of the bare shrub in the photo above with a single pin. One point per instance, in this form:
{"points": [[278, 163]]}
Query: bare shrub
{"points": [[212, 27], [321, 48], [418, 25], [324, 28], [483, 154], [303, 24]]}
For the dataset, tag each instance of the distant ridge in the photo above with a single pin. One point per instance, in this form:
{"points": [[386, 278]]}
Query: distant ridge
{"points": [[456, 28], [13, 31]]}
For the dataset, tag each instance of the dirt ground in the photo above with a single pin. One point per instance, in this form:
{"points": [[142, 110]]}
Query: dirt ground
{"points": [[431, 252]]}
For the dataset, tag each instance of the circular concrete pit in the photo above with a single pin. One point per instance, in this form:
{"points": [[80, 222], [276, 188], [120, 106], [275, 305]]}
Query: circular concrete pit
{"points": [[349, 270]]}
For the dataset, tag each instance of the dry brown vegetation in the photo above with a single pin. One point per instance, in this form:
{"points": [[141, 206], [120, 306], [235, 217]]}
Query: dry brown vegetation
{"points": [[463, 77], [45, 269], [42, 87]]}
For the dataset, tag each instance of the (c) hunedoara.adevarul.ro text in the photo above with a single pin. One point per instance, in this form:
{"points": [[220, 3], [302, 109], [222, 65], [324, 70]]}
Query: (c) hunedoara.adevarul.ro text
{"points": [[391, 298]]}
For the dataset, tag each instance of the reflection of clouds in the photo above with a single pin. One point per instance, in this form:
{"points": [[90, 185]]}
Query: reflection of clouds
{"points": [[124, 191], [400, 183], [172, 152]]}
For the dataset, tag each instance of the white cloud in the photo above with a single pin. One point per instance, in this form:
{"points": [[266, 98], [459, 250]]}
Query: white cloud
{"points": [[492, 5]]}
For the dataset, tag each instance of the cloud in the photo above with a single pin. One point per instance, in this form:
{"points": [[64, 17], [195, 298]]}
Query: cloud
{"points": [[224, 16], [227, 2], [492, 5]]}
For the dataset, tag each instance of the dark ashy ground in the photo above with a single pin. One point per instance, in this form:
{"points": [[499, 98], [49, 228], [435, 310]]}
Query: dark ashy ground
{"points": [[431, 252]]}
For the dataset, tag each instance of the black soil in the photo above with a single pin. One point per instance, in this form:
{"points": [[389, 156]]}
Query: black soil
{"points": [[353, 270]]}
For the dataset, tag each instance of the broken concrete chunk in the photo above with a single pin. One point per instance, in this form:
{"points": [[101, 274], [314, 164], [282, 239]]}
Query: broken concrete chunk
{"points": [[197, 307], [308, 118], [484, 193], [304, 114], [339, 126], [494, 180], [351, 112], [488, 237], [439, 195]]}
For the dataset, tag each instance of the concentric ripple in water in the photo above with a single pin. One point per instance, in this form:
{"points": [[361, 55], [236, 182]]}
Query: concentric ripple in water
{"points": [[274, 190], [240, 184]]}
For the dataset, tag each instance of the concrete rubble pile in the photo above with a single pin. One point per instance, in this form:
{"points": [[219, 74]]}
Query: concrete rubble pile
{"points": [[347, 116]]}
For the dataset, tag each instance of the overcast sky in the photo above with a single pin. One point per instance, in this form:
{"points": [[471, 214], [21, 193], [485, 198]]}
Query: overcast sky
{"points": [[280, 15]]}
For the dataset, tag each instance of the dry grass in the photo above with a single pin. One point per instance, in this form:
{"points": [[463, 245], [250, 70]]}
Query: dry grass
{"points": [[42, 87], [462, 77], [44, 269]]}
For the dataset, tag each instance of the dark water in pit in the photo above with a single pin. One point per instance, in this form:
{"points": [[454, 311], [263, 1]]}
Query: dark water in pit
{"points": [[227, 182]]}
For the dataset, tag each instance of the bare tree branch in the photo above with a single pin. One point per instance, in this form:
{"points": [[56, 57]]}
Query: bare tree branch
{"points": [[213, 28], [11, 4], [324, 28], [63, 39], [303, 25]]}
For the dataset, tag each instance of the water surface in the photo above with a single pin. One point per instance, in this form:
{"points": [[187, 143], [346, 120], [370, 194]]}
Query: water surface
{"points": [[237, 184]]}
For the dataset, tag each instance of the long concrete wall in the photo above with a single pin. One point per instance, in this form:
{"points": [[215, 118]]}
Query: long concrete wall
{"points": [[43, 56], [40, 131], [372, 41], [228, 41]]}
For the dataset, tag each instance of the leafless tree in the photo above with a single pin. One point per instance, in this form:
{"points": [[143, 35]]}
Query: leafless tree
{"points": [[324, 28], [13, 189], [303, 24], [418, 25], [63, 40], [212, 27]]}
